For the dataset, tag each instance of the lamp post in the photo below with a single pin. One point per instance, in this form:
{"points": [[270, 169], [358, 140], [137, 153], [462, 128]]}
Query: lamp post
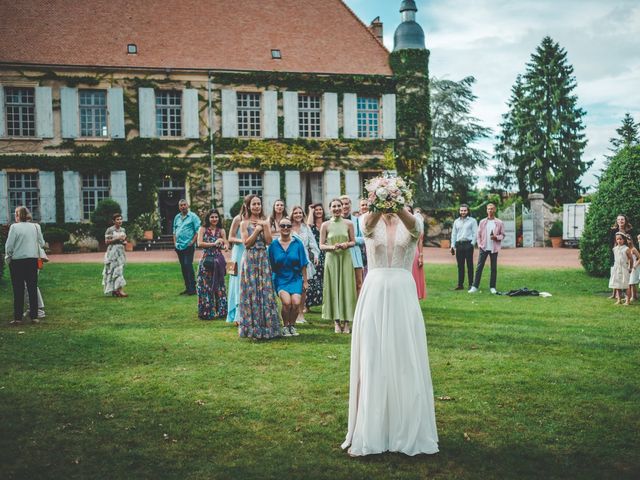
{"points": [[211, 155]]}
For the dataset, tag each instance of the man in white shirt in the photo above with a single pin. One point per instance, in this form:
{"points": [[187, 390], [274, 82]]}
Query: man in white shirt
{"points": [[463, 240]]}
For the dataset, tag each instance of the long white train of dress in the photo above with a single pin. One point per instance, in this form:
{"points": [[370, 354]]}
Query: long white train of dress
{"points": [[391, 404]]}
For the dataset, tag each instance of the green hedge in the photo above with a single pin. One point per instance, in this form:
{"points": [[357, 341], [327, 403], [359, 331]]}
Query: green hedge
{"points": [[618, 193]]}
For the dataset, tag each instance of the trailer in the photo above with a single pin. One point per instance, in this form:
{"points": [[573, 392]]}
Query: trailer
{"points": [[573, 218]]}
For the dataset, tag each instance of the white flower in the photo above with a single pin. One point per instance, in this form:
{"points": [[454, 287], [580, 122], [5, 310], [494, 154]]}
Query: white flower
{"points": [[382, 193]]}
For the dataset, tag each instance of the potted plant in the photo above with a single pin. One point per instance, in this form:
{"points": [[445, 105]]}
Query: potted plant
{"points": [[134, 233], [555, 234], [56, 237], [149, 223]]}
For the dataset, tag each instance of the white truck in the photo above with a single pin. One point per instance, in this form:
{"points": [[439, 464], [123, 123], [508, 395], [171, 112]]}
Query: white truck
{"points": [[573, 217]]}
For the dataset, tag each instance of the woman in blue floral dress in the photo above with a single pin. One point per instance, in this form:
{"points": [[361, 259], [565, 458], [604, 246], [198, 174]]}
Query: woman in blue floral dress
{"points": [[257, 313], [212, 294]]}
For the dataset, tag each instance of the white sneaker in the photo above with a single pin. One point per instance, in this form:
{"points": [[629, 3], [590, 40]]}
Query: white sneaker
{"points": [[292, 331], [300, 319], [285, 332], [493, 290], [472, 290]]}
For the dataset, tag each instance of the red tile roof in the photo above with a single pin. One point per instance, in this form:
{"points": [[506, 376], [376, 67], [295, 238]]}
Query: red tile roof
{"points": [[322, 36]]}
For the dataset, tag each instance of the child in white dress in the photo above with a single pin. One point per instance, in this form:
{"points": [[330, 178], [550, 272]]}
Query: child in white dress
{"points": [[634, 278], [622, 266]]}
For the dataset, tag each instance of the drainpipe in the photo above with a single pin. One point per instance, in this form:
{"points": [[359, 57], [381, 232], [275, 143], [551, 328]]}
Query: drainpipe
{"points": [[211, 156]]}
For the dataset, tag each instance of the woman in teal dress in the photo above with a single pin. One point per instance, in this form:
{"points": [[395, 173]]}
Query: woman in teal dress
{"points": [[257, 313], [237, 252], [212, 294], [339, 289]]}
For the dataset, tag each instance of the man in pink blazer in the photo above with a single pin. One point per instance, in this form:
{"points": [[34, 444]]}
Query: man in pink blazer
{"points": [[490, 235]]}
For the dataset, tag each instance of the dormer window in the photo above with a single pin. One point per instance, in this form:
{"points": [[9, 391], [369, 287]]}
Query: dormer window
{"points": [[132, 49], [276, 54]]}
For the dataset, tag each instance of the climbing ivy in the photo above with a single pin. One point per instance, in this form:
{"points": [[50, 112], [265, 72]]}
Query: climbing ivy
{"points": [[411, 71]]}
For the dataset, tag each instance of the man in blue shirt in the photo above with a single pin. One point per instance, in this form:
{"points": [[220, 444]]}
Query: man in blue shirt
{"points": [[463, 239], [185, 234]]}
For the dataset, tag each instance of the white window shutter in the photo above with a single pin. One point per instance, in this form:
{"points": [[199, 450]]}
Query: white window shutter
{"points": [[47, 184], [44, 112], [350, 115], [292, 186], [147, 112], [270, 190], [291, 120], [69, 112], [4, 198], [72, 207], [331, 186], [115, 107], [270, 114], [190, 113], [3, 127], [389, 116], [119, 191], [229, 113], [330, 115], [230, 192], [352, 187]]}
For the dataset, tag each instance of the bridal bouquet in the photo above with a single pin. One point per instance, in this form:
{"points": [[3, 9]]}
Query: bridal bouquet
{"points": [[388, 193]]}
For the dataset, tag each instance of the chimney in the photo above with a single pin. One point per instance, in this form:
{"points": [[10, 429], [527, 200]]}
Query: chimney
{"points": [[376, 29]]}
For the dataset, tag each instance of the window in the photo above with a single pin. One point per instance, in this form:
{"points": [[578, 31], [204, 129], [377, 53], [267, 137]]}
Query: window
{"points": [[170, 182], [250, 183], [169, 113], [93, 113], [309, 115], [23, 190], [20, 104], [368, 117], [94, 188], [249, 114]]}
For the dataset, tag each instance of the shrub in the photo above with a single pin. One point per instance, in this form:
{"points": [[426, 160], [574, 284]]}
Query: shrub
{"points": [[55, 235], [134, 232], [102, 217], [556, 229], [618, 193], [235, 208]]}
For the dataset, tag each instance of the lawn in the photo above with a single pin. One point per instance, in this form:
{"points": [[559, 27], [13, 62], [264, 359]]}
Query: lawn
{"points": [[138, 388]]}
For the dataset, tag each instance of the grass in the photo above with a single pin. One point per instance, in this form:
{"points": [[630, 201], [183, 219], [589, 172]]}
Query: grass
{"points": [[139, 388]]}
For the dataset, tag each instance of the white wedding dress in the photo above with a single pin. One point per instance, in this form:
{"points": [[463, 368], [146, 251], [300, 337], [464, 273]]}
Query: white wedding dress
{"points": [[391, 404]]}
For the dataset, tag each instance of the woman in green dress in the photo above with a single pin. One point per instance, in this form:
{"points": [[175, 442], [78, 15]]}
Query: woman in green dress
{"points": [[339, 289]]}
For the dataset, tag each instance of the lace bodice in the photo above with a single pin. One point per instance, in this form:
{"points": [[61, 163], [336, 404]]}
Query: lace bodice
{"points": [[386, 252]]}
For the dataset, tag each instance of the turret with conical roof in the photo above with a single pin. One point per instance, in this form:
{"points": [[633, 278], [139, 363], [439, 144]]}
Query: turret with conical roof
{"points": [[409, 33]]}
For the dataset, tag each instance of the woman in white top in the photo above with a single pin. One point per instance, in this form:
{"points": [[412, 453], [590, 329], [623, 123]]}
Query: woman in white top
{"points": [[22, 251], [302, 231], [391, 406]]}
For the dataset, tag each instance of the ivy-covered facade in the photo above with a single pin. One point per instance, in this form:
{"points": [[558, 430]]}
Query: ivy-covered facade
{"points": [[70, 136]]}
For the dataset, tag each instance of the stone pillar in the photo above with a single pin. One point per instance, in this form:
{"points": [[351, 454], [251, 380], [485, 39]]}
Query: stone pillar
{"points": [[537, 210]]}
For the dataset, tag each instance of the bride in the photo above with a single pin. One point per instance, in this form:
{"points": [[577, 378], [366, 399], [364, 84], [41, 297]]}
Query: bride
{"points": [[391, 406]]}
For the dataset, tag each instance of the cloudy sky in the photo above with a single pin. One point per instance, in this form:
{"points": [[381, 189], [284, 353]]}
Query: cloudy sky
{"points": [[494, 39]]}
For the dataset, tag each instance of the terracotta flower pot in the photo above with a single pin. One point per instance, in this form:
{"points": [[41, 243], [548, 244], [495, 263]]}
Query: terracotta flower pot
{"points": [[556, 242], [148, 235], [445, 243], [56, 247]]}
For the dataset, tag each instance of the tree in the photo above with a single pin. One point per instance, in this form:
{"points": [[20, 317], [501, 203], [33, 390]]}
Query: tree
{"points": [[628, 134], [542, 141], [618, 193], [454, 158]]}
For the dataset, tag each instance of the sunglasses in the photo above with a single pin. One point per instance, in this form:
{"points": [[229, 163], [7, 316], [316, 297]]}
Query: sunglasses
{"points": [[285, 225]]}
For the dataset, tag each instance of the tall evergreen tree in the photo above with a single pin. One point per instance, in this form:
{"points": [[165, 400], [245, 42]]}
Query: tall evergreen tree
{"points": [[454, 158], [628, 134], [544, 138]]}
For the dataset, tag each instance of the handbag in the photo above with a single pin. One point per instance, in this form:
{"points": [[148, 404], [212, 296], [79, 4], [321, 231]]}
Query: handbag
{"points": [[232, 268]]}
